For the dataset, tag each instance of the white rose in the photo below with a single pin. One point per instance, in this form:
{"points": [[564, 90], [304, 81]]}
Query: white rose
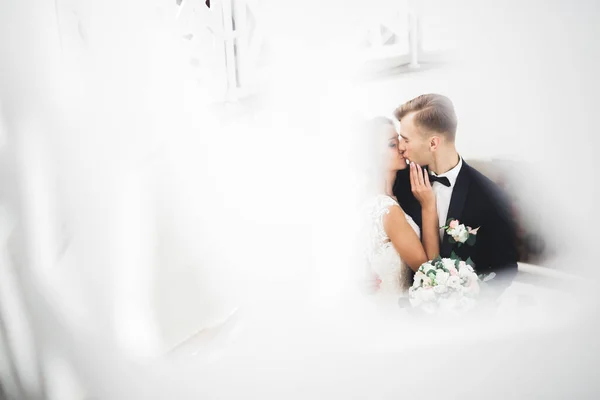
{"points": [[426, 281], [442, 277], [453, 282], [448, 263], [439, 289], [418, 279], [459, 232], [427, 295], [465, 270], [471, 283], [415, 297], [464, 235], [427, 267]]}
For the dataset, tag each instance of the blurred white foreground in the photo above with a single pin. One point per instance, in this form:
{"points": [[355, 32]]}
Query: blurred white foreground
{"points": [[155, 244]]}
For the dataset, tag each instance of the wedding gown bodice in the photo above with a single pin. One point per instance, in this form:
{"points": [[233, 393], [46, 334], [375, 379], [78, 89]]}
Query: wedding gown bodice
{"points": [[382, 257]]}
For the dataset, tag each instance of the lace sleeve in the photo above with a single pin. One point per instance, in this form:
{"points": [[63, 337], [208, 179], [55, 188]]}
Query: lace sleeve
{"points": [[382, 208]]}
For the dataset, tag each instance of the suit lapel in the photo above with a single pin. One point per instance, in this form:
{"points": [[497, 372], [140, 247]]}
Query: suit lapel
{"points": [[457, 204]]}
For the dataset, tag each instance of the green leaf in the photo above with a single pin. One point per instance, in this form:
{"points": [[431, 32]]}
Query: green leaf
{"points": [[470, 262], [453, 256], [451, 239], [487, 277], [471, 240]]}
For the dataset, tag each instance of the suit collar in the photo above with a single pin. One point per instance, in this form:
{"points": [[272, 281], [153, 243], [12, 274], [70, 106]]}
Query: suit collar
{"points": [[452, 175]]}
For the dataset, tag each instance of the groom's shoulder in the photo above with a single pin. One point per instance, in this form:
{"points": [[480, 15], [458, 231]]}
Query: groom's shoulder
{"points": [[485, 185], [495, 202], [477, 176]]}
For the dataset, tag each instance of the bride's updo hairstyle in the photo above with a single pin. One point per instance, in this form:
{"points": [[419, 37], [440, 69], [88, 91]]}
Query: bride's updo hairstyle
{"points": [[372, 155], [373, 143]]}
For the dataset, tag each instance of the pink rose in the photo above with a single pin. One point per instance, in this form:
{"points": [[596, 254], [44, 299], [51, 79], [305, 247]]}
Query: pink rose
{"points": [[473, 231], [453, 224], [453, 271]]}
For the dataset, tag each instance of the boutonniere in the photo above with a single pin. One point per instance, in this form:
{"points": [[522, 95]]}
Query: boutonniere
{"points": [[459, 233]]}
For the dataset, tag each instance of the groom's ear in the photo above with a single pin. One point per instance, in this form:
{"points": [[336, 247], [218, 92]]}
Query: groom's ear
{"points": [[434, 143]]}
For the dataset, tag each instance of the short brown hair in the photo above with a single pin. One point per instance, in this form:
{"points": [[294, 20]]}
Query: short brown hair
{"points": [[434, 112]]}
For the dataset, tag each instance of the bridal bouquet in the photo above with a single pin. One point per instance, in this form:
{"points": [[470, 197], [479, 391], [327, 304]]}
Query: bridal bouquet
{"points": [[446, 284]]}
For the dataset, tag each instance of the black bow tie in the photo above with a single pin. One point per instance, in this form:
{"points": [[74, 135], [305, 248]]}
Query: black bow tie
{"points": [[441, 179]]}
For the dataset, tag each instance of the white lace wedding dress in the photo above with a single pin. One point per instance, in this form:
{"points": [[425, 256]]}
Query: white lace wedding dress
{"points": [[382, 257]]}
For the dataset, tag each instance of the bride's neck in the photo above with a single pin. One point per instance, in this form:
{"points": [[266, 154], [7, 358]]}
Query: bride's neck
{"points": [[390, 179]]}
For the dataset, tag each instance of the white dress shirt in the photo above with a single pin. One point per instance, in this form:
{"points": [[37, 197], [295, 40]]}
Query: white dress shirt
{"points": [[443, 194]]}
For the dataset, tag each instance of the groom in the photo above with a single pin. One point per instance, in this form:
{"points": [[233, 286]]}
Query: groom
{"points": [[428, 130]]}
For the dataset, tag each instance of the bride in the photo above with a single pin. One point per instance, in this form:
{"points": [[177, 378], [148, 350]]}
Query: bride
{"points": [[394, 249]]}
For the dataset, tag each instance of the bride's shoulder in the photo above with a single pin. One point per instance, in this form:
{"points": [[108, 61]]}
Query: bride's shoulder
{"points": [[386, 200], [381, 203]]}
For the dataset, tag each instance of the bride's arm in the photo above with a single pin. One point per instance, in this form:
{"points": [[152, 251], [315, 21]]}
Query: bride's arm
{"points": [[421, 188], [431, 231], [403, 238]]}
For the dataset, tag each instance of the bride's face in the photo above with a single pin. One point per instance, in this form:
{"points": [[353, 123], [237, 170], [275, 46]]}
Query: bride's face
{"points": [[396, 161]]}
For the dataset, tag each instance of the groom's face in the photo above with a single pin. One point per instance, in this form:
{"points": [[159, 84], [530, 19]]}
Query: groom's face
{"points": [[414, 142]]}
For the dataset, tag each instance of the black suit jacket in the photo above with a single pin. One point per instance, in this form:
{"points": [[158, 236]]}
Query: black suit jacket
{"points": [[476, 202]]}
